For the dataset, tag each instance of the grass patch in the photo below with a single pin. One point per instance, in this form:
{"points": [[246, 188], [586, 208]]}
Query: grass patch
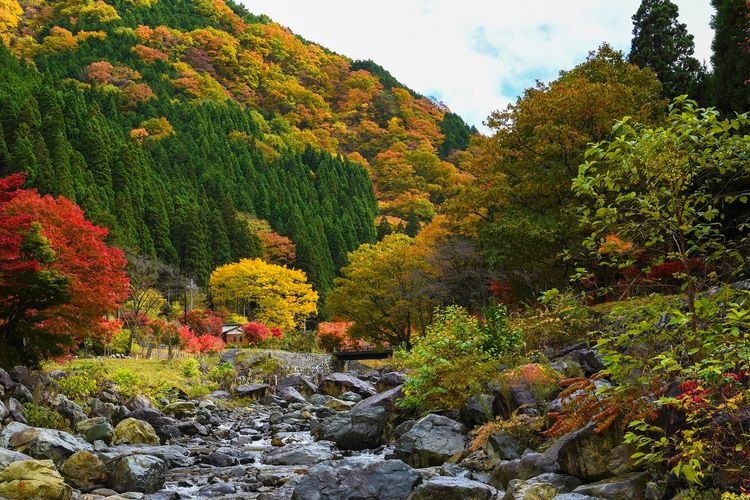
{"points": [[154, 378]]}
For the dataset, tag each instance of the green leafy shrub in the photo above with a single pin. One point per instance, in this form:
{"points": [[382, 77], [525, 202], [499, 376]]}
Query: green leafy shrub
{"points": [[191, 368], [83, 381], [126, 378], [120, 342], [561, 319], [455, 358], [41, 416], [222, 374], [668, 360]]}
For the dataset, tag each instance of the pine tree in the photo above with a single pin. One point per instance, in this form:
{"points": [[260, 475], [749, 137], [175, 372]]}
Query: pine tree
{"points": [[731, 58], [663, 44]]}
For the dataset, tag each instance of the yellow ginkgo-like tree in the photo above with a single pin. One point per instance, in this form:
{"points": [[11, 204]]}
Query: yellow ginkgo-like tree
{"points": [[274, 295]]}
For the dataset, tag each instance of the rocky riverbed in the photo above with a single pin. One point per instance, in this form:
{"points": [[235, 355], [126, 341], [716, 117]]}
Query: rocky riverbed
{"points": [[315, 435]]}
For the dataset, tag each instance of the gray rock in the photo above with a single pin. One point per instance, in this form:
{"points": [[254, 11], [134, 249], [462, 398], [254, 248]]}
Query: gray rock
{"points": [[591, 361], [501, 447], [97, 428], [221, 459], [3, 411], [339, 404], [44, 443], [252, 391], [191, 428], [138, 402], [574, 496], [174, 455], [69, 409], [477, 410], [334, 384], [433, 440], [517, 398], [626, 487], [453, 488], [22, 394], [544, 486], [6, 381], [356, 430], [301, 383], [217, 490], [300, 454], [386, 399], [290, 395], [166, 428], [357, 478], [584, 453], [350, 396], [620, 459], [526, 467], [31, 379], [9, 456], [15, 408], [144, 473], [391, 379]]}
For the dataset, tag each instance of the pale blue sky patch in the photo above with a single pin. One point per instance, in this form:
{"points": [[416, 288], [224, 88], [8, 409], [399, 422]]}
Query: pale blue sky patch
{"points": [[478, 55]]}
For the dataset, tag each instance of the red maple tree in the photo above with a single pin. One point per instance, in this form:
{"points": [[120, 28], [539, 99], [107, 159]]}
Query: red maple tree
{"points": [[58, 276]]}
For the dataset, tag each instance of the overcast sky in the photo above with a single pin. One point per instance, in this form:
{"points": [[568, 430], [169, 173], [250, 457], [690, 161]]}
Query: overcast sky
{"points": [[474, 55]]}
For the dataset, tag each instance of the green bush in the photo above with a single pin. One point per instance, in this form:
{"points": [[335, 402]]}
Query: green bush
{"points": [[561, 319], [455, 358], [83, 381], [120, 342], [222, 374], [191, 368], [41, 416]]}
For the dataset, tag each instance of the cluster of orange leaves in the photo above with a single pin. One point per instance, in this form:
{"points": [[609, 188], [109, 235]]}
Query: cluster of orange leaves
{"points": [[582, 404]]}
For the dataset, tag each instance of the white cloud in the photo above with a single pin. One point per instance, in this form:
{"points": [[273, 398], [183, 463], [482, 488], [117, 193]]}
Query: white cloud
{"points": [[476, 55]]}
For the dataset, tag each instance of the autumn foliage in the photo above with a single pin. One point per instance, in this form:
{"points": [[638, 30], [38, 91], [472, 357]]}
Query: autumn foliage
{"points": [[255, 332], [58, 277]]}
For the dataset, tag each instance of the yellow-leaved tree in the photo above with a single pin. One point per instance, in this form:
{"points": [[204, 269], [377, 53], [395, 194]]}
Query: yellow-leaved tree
{"points": [[274, 295]]}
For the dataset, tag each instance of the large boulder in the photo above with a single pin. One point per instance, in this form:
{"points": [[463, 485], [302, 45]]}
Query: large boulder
{"points": [[359, 429], [477, 410], [143, 473], [33, 479], [386, 399], [453, 488], [626, 487], [543, 486], [8, 456], [357, 477], [181, 409], [134, 431], [290, 395], [97, 428], [584, 453], [166, 428], [301, 383], [528, 466], [41, 443], [502, 447], [334, 384], [432, 441], [300, 454], [84, 470]]}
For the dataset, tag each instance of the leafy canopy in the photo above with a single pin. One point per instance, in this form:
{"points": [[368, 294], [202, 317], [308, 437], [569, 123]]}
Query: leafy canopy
{"points": [[274, 295]]}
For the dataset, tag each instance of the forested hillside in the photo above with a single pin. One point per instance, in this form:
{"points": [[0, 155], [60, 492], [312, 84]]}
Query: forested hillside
{"points": [[177, 124]]}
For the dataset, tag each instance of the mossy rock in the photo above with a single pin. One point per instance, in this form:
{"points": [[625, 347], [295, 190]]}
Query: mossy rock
{"points": [[33, 479], [134, 431]]}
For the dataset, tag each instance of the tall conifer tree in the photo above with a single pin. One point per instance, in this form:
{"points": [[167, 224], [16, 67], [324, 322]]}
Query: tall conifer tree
{"points": [[663, 44]]}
